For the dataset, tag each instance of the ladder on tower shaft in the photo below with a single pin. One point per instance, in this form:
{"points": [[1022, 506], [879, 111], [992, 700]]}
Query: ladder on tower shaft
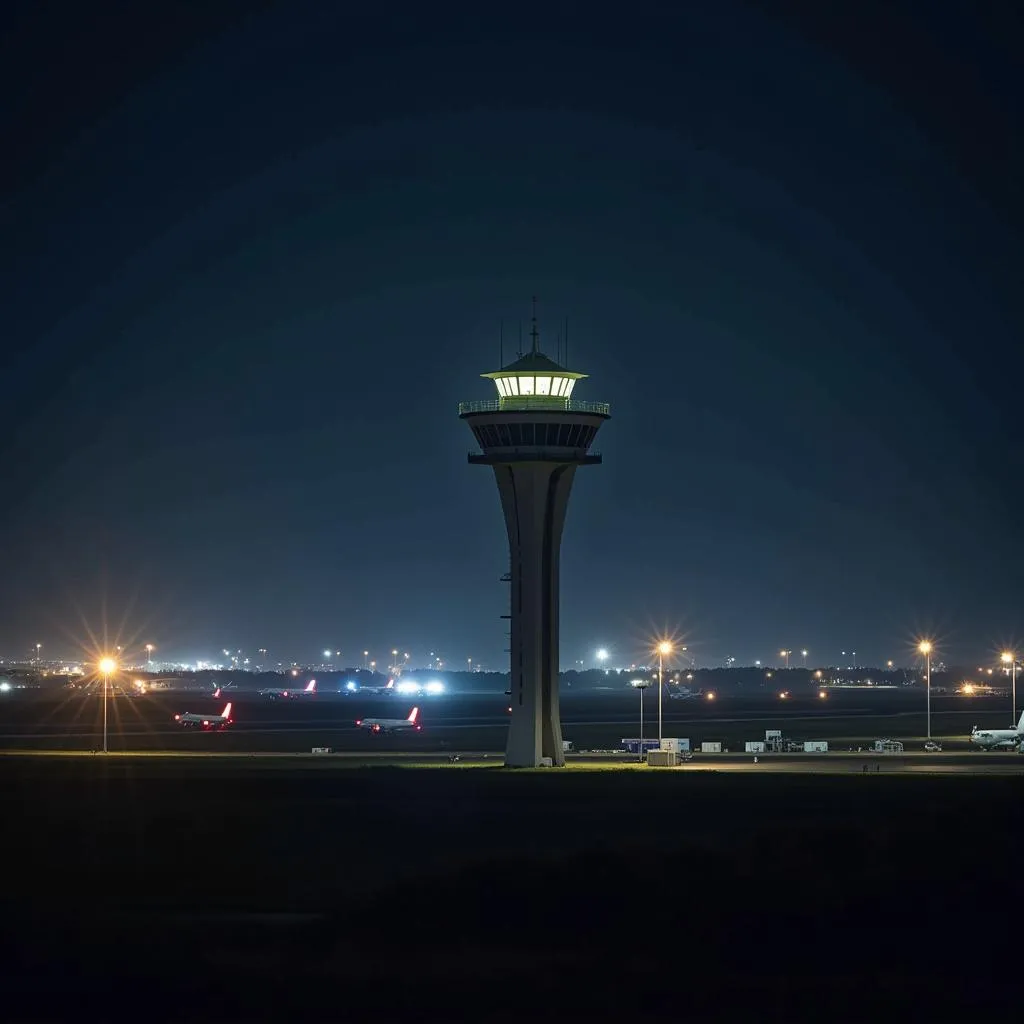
{"points": [[507, 578]]}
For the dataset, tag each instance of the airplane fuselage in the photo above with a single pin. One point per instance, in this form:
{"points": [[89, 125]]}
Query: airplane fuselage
{"points": [[992, 739], [213, 722], [378, 725], [995, 739], [287, 694], [190, 720]]}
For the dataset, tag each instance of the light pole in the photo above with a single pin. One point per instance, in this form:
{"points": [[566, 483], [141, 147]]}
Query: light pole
{"points": [[149, 656], [106, 666], [925, 648], [785, 654], [641, 685], [803, 654], [1010, 658], [663, 648]]}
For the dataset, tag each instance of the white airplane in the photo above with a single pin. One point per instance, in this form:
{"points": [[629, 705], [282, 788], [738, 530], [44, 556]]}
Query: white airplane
{"points": [[285, 693], [684, 693], [391, 724], [379, 690], [221, 721], [998, 739]]}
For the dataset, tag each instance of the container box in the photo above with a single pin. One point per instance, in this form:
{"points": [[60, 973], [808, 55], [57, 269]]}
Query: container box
{"points": [[662, 758], [673, 743]]}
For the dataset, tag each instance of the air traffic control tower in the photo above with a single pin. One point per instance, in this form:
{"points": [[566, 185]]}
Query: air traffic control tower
{"points": [[534, 435]]}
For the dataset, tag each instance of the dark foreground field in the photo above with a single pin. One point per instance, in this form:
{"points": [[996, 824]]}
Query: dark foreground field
{"points": [[136, 885]]}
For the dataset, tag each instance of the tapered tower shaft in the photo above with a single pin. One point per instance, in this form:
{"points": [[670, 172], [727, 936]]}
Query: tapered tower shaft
{"points": [[534, 436]]}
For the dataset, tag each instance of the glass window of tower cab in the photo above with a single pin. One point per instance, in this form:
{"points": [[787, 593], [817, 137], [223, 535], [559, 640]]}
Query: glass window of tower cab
{"points": [[534, 382]]}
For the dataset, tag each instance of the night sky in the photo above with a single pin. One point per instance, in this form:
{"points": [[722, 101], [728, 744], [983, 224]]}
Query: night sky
{"points": [[255, 254]]}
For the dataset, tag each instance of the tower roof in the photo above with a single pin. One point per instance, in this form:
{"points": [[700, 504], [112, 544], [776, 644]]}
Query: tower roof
{"points": [[534, 362]]}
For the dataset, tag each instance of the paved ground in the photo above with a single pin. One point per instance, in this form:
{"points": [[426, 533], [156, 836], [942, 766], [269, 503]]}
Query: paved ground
{"points": [[73, 721], [839, 763]]}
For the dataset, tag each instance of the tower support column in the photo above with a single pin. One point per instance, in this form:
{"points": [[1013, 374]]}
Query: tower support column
{"points": [[534, 499]]}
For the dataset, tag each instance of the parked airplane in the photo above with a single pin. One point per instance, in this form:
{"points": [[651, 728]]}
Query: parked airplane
{"points": [[274, 692], [221, 721], [391, 724], [684, 693], [386, 691], [998, 739]]}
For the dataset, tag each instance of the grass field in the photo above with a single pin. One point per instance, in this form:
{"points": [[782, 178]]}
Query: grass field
{"points": [[467, 891]]}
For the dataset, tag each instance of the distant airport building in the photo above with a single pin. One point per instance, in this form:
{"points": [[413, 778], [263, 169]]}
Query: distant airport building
{"points": [[534, 435]]}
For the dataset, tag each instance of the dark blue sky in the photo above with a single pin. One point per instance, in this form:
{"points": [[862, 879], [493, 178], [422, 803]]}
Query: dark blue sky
{"points": [[254, 254]]}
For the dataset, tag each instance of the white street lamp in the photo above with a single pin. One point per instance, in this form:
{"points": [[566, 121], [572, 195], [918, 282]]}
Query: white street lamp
{"points": [[925, 647], [641, 685], [107, 665], [1010, 658], [664, 648]]}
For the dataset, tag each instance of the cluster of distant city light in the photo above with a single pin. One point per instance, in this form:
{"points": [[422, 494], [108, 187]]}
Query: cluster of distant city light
{"points": [[664, 648], [236, 660], [109, 663]]}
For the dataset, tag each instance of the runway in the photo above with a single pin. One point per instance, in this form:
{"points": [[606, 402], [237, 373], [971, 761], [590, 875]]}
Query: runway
{"points": [[477, 724]]}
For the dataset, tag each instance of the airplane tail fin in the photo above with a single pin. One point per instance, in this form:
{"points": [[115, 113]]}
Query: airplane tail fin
{"points": [[412, 715], [312, 686], [227, 710], [216, 693], [1020, 724]]}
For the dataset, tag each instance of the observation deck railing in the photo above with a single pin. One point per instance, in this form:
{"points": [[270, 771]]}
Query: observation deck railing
{"points": [[535, 403]]}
